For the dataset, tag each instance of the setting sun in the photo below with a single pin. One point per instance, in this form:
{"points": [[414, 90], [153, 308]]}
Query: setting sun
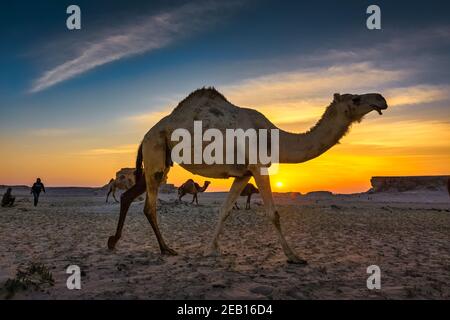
{"points": [[279, 184]]}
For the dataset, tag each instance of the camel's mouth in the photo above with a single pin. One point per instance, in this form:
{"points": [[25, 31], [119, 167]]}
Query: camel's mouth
{"points": [[378, 109]]}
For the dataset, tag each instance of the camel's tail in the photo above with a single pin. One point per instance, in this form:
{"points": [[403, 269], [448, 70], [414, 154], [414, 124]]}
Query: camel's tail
{"points": [[139, 160]]}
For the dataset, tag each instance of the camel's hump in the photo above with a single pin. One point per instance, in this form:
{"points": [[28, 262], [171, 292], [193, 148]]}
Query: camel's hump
{"points": [[205, 92]]}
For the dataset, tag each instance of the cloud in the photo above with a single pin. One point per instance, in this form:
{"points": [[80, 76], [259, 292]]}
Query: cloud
{"points": [[51, 132], [311, 83], [305, 92], [419, 94], [121, 149], [153, 32], [148, 118], [296, 99]]}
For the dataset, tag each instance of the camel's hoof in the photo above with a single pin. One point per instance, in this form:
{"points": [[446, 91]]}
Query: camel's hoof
{"points": [[169, 252], [298, 261], [112, 242]]}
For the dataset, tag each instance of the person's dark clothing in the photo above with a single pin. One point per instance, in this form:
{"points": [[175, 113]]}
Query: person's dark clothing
{"points": [[36, 190], [8, 199]]}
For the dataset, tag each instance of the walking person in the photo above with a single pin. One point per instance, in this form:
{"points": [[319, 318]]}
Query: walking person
{"points": [[36, 190], [8, 199]]}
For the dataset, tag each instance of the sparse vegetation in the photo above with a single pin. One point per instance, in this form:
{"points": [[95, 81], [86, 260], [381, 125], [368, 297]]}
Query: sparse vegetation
{"points": [[34, 277]]}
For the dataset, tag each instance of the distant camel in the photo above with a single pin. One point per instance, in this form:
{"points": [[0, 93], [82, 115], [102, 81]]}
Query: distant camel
{"points": [[216, 112], [124, 182], [247, 192], [193, 188]]}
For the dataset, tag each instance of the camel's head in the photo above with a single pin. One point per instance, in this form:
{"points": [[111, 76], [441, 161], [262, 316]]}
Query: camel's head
{"points": [[356, 106], [207, 183]]}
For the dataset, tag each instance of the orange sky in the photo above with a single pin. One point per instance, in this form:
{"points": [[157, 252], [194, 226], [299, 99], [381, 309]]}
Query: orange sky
{"points": [[377, 146], [411, 138]]}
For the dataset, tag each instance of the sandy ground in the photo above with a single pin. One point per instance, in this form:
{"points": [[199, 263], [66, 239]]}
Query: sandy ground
{"points": [[406, 235]]}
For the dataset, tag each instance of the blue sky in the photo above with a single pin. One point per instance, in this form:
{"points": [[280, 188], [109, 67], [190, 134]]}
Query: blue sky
{"points": [[135, 59]]}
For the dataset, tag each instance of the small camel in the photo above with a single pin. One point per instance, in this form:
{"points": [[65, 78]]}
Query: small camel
{"points": [[216, 112], [247, 192], [125, 180], [115, 185], [193, 188]]}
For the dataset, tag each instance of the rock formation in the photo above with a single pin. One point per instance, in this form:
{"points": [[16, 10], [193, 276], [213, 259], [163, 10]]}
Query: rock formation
{"points": [[411, 183]]}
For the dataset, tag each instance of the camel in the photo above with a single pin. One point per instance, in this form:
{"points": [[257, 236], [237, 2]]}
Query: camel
{"points": [[247, 192], [217, 112], [124, 181], [193, 188]]}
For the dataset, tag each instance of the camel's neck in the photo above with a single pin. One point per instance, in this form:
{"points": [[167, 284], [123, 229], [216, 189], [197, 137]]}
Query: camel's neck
{"points": [[202, 189], [296, 148]]}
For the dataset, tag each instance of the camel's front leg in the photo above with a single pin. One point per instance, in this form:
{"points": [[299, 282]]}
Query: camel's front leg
{"points": [[263, 183], [236, 189], [126, 200]]}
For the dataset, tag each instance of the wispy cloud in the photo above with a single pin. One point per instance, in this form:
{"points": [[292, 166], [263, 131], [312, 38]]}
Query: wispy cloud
{"points": [[153, 32], [51, 132], [419, 94], [148, 118], [120, 149]]}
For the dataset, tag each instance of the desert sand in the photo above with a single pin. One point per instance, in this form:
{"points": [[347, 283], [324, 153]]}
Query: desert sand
{"points": [[406, 234]]}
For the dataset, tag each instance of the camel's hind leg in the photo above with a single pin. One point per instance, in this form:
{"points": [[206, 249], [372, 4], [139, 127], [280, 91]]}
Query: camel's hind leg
{"points": [[114, 194], [236, 189], [196, 198], [263, 183], [107, 196], [150, 213], [126, 200], [156, 167]]}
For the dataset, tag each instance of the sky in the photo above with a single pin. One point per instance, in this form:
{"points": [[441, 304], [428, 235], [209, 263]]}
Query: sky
{"points": [[75, 104]]}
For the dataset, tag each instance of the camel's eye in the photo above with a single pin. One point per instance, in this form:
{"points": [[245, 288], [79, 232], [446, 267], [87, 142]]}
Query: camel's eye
{"points": [[356, 100]]}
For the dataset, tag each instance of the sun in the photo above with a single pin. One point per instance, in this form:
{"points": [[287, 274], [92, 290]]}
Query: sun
{"points": [[279, 184]]}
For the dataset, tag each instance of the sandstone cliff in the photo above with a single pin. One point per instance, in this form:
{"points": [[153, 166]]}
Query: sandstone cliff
{"points": [[411, 183]]}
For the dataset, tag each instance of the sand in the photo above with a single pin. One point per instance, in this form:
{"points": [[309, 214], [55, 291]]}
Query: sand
{"points": [[406, 235]]}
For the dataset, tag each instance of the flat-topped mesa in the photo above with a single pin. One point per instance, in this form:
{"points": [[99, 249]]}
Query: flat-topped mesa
{"points": [[409, 183]]}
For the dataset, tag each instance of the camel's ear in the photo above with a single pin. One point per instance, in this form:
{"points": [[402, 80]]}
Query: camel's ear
{"points": [[337, 97]]}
